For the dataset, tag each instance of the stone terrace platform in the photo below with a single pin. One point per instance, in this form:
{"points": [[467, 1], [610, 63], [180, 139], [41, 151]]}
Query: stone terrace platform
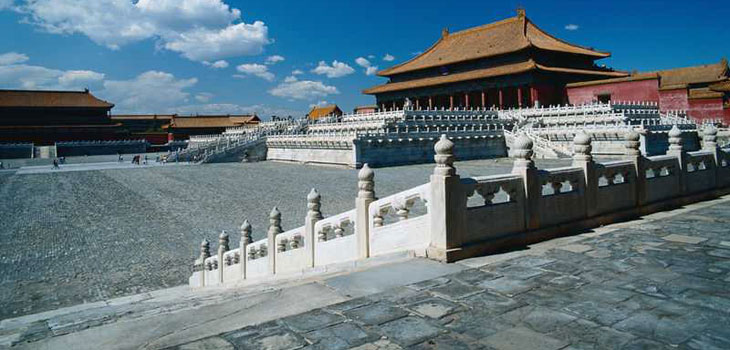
{"points": [[659, 282]]}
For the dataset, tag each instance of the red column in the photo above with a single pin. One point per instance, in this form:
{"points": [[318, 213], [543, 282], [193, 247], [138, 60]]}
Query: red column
{"points": [[417, 103], [430, 101], [501, 99], [484, 100], [519, 97], [451, 101], [466, 99], [533, 95]]}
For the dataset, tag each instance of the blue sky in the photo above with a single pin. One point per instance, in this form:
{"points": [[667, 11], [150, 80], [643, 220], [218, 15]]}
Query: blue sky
{"points": [[281, 57]]}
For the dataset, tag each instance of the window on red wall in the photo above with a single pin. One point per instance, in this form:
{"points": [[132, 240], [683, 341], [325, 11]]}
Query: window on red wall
{"points": [[603, 98]]}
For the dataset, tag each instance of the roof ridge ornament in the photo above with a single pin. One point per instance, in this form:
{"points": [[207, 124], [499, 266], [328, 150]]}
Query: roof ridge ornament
{"points": [[520, 12], [445, 32]]}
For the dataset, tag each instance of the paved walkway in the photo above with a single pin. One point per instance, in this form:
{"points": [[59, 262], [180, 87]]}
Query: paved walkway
{"points": [[43, 169], [647, 285], [659, 282]]}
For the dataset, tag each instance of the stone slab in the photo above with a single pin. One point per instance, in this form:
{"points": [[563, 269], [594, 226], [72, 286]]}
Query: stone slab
{"points": [[521, 338], [379, 279], [684, 239], [410, 330]]}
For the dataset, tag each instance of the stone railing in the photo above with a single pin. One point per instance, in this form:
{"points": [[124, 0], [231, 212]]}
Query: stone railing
{"points": [[451, 218], [83, 148], [16, 150]]}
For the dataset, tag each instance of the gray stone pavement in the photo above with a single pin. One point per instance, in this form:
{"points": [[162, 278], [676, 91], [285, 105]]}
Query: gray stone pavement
{"points": [[77, 237], [659, 282]]}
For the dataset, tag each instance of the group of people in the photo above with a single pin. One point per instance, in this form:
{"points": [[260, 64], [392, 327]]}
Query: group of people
{"points": [[137, 159], [58, 161]]}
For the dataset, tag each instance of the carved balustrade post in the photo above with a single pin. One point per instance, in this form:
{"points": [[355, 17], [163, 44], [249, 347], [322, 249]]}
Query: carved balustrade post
{"points": [[525, 167], [676, 149], [274, 230], [448, 205], [709, 143], [633, 152], [582, 158], [200, 262], [365, 196], [314, 214], [246, 239], [222, 249]]}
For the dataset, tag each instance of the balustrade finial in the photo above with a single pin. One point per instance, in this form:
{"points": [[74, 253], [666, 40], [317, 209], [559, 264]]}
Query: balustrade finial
{"points": [[709, 137], [223, 242], [275, 221], [675, 139], [246, 232], [365, 183], [582, 147], [523, 150], [632, 143], [314, 203], [444, 157], [204, 249]]}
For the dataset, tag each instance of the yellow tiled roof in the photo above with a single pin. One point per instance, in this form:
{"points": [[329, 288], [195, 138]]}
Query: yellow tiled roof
{"points": [[509, 35], [513, 68]]}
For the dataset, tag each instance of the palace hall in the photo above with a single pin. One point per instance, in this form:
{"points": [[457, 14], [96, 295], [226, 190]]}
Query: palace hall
{"points": [[510, 63]]}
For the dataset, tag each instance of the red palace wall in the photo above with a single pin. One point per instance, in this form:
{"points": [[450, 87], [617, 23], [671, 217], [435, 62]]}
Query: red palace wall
{"points": [[710, 108], [673, 100], [639, 90]]}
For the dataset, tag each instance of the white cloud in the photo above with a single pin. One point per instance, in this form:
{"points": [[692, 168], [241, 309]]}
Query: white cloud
{"points": [[297, 72], [369, 68], [263, 111], [371, 56], [303, 90], [255, 69], [290, 79], [197, 29], [203, 97], [362, 62], [571, 27], [319, 104], [15, 74], [388, 57], [149, 92], [336, 70], [76, 77], [234, 40], [29, 77], [12, 58], [220, 64], [5, 3], [274, 59]]}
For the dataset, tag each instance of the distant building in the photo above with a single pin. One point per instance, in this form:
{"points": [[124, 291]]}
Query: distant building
{"points": [[324, 111], [365, 109], [47, 117], [151, 127], [702, 91], [510, 63], [182, 127]]}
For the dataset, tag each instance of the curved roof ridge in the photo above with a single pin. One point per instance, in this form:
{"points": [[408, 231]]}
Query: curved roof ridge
{"points": [[454, 35], [536, 27], [485, 26], [386, 70]]}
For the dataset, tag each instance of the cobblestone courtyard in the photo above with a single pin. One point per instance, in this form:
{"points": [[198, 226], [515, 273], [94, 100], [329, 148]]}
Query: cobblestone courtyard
{"points": [[69, 238], [662, 284]]}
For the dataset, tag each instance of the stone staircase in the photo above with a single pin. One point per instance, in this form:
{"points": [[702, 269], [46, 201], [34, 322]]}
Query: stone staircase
{"points": [[542, 147], [237, 145]]}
